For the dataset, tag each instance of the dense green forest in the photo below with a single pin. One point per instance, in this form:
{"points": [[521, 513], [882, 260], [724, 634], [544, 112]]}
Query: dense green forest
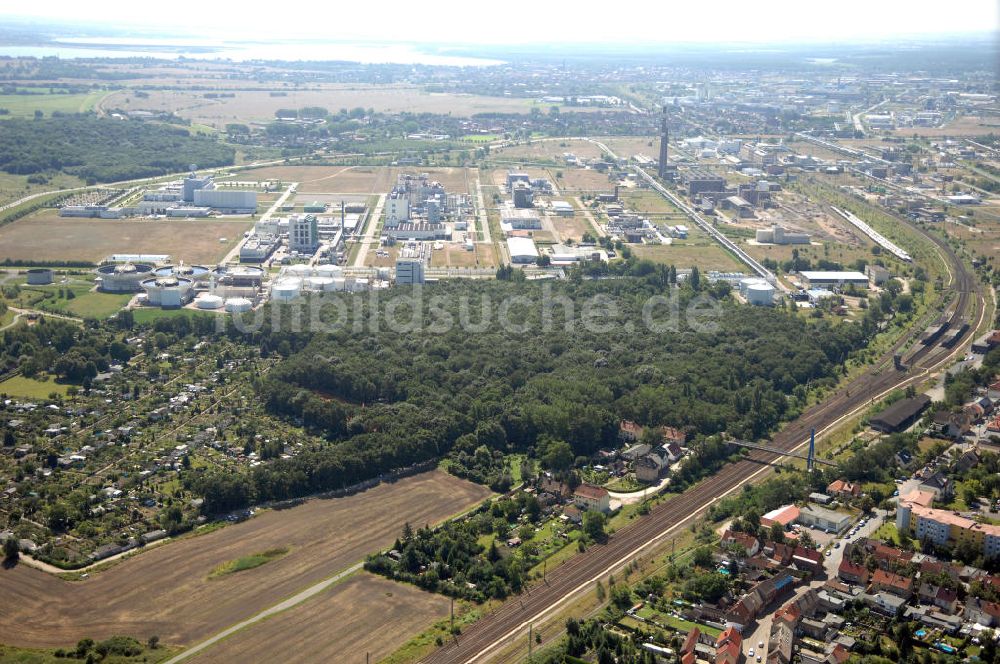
{"points": [[387, 399], [104, 150]]}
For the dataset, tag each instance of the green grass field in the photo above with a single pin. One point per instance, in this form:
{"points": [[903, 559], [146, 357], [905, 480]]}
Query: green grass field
{"points": [[248, 562], [87, 303], [12, 655], [22, 106], [31, 388]]}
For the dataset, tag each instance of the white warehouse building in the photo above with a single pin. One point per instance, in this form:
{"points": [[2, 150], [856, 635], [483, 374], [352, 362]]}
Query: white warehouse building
{"points": [[522, 250], [224, 200]]}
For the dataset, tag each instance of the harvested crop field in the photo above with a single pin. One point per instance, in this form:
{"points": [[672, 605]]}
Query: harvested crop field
{"points": [[49, 237], [323, 179], [166, 591], [365, 614], [260, 106]]}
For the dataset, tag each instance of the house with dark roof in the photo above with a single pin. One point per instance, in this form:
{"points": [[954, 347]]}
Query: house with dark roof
{"points": [[651, 467]]}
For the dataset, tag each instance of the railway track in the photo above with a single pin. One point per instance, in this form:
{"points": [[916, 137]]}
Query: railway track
{"points": [[482, 639]]}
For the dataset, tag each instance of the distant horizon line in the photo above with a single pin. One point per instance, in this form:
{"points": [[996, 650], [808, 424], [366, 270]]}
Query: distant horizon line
{"points": [[143, 32]]}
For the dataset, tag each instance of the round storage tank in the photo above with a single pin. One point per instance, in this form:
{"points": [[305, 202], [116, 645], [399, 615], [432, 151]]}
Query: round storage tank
{"points": [[286, 290], [238, 305], [760, 294], [319, 283], [299, 270], [339, 283], [329, 271], [748, 282], [39, 276], [123, 277], [208, 301], [168, 292]]}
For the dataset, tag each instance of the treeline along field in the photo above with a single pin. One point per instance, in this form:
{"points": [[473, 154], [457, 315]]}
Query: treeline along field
{"points": [[387, 399], [104, 150]]}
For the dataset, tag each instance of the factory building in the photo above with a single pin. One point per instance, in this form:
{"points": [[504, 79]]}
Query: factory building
{"points": [[703, 182], [91, 211], [832, 279], [229, 202], [779, 235], [513, 219], [303, 234], [188, 212], [258, 248], [824, 519], [562, 208], [397, 208], [522, 250], [409, 271], [194, 183], [523, 195], [412, 231], [513, 177]]}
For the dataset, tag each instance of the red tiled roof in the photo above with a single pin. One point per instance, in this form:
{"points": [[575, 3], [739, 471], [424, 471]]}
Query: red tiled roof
{"points": [[591, 491]]}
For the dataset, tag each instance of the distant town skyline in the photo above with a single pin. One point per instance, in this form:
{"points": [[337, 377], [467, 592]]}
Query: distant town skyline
{"points": [[449, 22]]}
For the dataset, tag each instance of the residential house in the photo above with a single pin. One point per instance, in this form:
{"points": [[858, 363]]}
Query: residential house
{"points": [[937, 483], [590, 497], [952, 425], [779, 646], [637, 451], [651, 467], [629, 431], [749, 543], [884, 603], [691, 641], [945, 599], [808, 560], [844, 489], [900, 586], [852, 573], [982, 612], [728, 647]]}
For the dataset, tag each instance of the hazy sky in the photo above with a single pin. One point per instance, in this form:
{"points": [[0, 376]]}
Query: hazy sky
{"points": [[548, 21]]}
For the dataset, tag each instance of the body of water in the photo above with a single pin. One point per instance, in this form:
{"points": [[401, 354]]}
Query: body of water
{"points": [[367, 53]]}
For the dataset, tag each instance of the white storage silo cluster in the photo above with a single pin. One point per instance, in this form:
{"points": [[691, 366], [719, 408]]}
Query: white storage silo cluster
{"points": [[286, 289]]}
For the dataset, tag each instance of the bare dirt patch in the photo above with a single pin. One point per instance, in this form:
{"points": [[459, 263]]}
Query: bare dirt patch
{"points": [[166, 591]]}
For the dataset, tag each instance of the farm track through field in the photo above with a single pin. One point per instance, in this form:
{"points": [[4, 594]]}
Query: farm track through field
{"points": [[166, 591]]}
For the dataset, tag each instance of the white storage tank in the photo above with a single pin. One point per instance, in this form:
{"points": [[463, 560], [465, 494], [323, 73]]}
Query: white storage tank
{"points": [[329, 271], [298, 270], [286, 289], [383, 274], [169, 292], [319, 283], [238, 305], [760, 294], [339, 283], [208, 301], [748, 282]]}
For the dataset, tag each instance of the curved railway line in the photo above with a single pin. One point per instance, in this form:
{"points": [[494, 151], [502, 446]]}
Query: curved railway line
{"points": [[510, 621]]}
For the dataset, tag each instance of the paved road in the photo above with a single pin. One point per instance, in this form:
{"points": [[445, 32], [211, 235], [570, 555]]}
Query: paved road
{"points": [[234, 253], [369, 236], [482, 217]]}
